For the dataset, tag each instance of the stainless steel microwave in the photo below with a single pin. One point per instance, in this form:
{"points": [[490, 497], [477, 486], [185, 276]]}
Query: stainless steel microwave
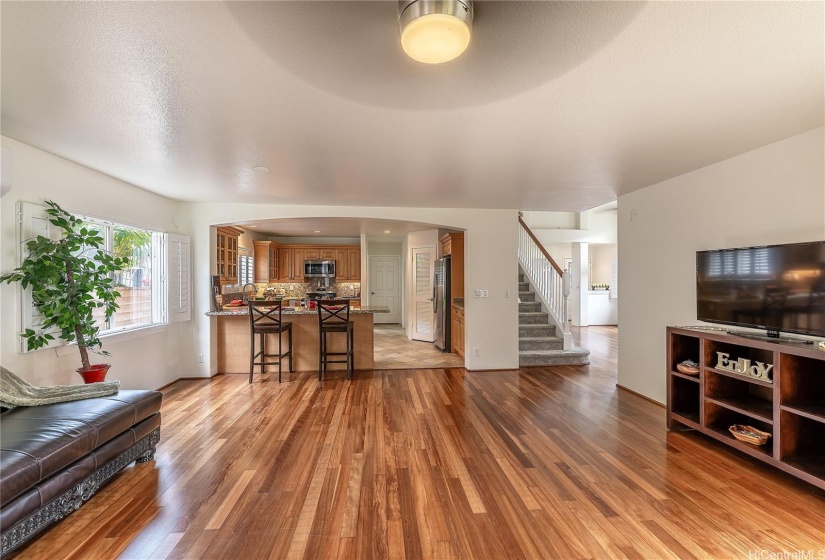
{"points": [[316, 268]]}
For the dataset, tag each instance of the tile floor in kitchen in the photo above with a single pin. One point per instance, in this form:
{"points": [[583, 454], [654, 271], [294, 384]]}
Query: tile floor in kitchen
{"points": [[394, 351]]}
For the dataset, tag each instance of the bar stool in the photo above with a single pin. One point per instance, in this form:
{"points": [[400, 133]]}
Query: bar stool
{"points": [[265, 317], [333, 317]]}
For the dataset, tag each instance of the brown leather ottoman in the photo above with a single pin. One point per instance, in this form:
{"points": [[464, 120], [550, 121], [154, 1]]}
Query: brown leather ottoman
{"points": [[54, 457]]}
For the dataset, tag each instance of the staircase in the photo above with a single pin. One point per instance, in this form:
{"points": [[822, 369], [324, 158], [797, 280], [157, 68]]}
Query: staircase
{"points": [[537, 341]]}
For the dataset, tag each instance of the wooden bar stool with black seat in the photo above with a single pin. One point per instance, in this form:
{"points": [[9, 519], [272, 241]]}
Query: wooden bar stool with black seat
{"points": [[265, 317], [333, 317]]}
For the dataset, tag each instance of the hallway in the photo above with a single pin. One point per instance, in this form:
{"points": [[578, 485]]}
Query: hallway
{"points": [[394, 351]]}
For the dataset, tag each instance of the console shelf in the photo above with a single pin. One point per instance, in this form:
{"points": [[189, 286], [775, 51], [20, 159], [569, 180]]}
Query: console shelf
{"points": [[790, 406]]}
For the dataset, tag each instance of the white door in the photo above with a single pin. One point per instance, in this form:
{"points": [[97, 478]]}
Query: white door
{"points": [[385, 286], [423, 316]]}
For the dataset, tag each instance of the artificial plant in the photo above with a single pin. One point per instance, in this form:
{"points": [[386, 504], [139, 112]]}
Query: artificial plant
{"points": [[69, 278]]}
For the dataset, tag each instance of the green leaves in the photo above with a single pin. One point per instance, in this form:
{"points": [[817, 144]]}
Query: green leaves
{"points": [[70, 279]]}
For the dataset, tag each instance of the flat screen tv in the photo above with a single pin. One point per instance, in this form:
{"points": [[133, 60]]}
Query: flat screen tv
{"points": [[780, 288]]}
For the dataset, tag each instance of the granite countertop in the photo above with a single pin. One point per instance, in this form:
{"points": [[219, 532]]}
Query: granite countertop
{"points": [[364, 309]]}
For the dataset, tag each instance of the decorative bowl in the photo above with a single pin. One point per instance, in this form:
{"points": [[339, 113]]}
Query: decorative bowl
{"points": [[688, 367], [749, 434]]}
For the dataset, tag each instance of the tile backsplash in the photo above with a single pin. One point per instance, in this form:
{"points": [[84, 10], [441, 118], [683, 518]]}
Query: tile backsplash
{"points": [[296, 290]]}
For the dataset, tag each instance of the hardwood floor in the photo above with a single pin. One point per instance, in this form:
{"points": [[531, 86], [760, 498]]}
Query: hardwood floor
{"points": [[536, 463]]}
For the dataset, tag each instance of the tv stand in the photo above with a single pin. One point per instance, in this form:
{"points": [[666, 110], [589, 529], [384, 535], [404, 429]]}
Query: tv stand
{"points": [[787, 400], [772, 336]]}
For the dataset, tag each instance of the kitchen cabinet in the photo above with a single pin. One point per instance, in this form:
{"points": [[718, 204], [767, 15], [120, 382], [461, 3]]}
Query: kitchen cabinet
{"points": [[453, 244], [312, 253], [227, 254], [285, 264], [298, 256], [348, 265], [341, 264], [457, 326], [266, 261], [327, 253], [354, 265]]}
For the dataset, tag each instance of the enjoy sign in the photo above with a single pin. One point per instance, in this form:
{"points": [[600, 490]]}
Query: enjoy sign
{"points": [[743, 366]]}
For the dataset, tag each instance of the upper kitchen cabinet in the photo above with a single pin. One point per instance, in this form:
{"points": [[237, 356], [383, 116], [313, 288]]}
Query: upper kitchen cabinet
{"points": [[266, 261], [290, 264], [452, 244], [227, 254], [354, 264], [348, 265], [314, 253], [298, 256], [284, 264]]}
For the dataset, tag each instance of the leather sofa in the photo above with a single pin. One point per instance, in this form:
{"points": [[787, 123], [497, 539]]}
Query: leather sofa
{"points": [[53, 458]]}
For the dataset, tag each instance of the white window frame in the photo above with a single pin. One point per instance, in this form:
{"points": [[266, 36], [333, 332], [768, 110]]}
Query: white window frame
{"points": [[158, 288], [171, 301]]}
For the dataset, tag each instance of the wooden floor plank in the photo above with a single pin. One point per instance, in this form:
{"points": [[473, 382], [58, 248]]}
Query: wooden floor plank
{"points": [[549, 462]]}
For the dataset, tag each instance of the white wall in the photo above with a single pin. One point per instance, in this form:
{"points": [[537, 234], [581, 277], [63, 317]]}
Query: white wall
{"points": [[775, 194], [603, 258], [597, 225], [143, 363], [490, 263]]}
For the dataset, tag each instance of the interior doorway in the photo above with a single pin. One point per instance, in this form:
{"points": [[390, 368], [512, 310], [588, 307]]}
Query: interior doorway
{"points": [[385, 286], [423, 312]]}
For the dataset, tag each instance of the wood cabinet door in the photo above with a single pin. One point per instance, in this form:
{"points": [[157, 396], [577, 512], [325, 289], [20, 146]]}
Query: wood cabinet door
{"points": [[354, 264], [457, 335], [273, 264], [298, 256], [341, 268], [327, 254], [284, 264], [260, 258], [312, 253]]}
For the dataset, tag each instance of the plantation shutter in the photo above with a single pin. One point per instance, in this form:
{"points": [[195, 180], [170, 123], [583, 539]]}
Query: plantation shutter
{"points": [[178, 278], [32, 221]]}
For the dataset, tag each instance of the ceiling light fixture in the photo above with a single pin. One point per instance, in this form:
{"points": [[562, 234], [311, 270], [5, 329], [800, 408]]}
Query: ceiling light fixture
{"points": [[253, 226], [261, 169], [435, 31], [386, 231], [317, 231]]}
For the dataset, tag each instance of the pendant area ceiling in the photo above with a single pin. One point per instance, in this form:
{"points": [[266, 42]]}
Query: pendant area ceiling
{"points": [[377, 229], [554, 106]]}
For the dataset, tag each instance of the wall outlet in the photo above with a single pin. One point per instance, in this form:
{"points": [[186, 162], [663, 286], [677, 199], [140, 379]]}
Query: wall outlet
{"points": [[476, 352], [200, 358], [484, 293]]}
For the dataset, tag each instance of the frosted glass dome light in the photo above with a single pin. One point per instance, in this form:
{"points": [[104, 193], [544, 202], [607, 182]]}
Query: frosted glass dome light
{"points": [[435, 31]]}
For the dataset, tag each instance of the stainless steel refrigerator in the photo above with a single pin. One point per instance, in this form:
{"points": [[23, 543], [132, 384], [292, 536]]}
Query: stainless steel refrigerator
{"points": [[441, 303]]}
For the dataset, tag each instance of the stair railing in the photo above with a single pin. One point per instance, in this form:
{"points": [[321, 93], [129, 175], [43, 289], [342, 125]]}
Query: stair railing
{"points": [[548, 278]]}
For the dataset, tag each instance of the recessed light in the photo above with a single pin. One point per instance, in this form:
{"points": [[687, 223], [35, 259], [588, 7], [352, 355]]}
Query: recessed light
{"points": [[253, 226], [261, 169], [317, 231], [386, 231]]}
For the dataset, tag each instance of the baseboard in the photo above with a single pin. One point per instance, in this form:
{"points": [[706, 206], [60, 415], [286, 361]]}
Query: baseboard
{"points": [[641, 396], [186, 379]]}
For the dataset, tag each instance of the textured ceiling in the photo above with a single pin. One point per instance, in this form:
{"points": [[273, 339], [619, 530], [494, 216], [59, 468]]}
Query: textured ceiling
{"points": [[555, 105]]}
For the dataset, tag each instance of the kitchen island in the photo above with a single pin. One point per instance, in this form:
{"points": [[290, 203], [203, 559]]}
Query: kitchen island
{"points": [[233, 339]]}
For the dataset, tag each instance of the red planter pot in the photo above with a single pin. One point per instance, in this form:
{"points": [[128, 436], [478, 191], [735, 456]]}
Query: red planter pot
{"points": [[94, 374]]}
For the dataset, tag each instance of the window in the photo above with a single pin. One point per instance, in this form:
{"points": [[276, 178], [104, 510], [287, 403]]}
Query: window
{"points": [[138, 284], [245, 270], [154, 287]]}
